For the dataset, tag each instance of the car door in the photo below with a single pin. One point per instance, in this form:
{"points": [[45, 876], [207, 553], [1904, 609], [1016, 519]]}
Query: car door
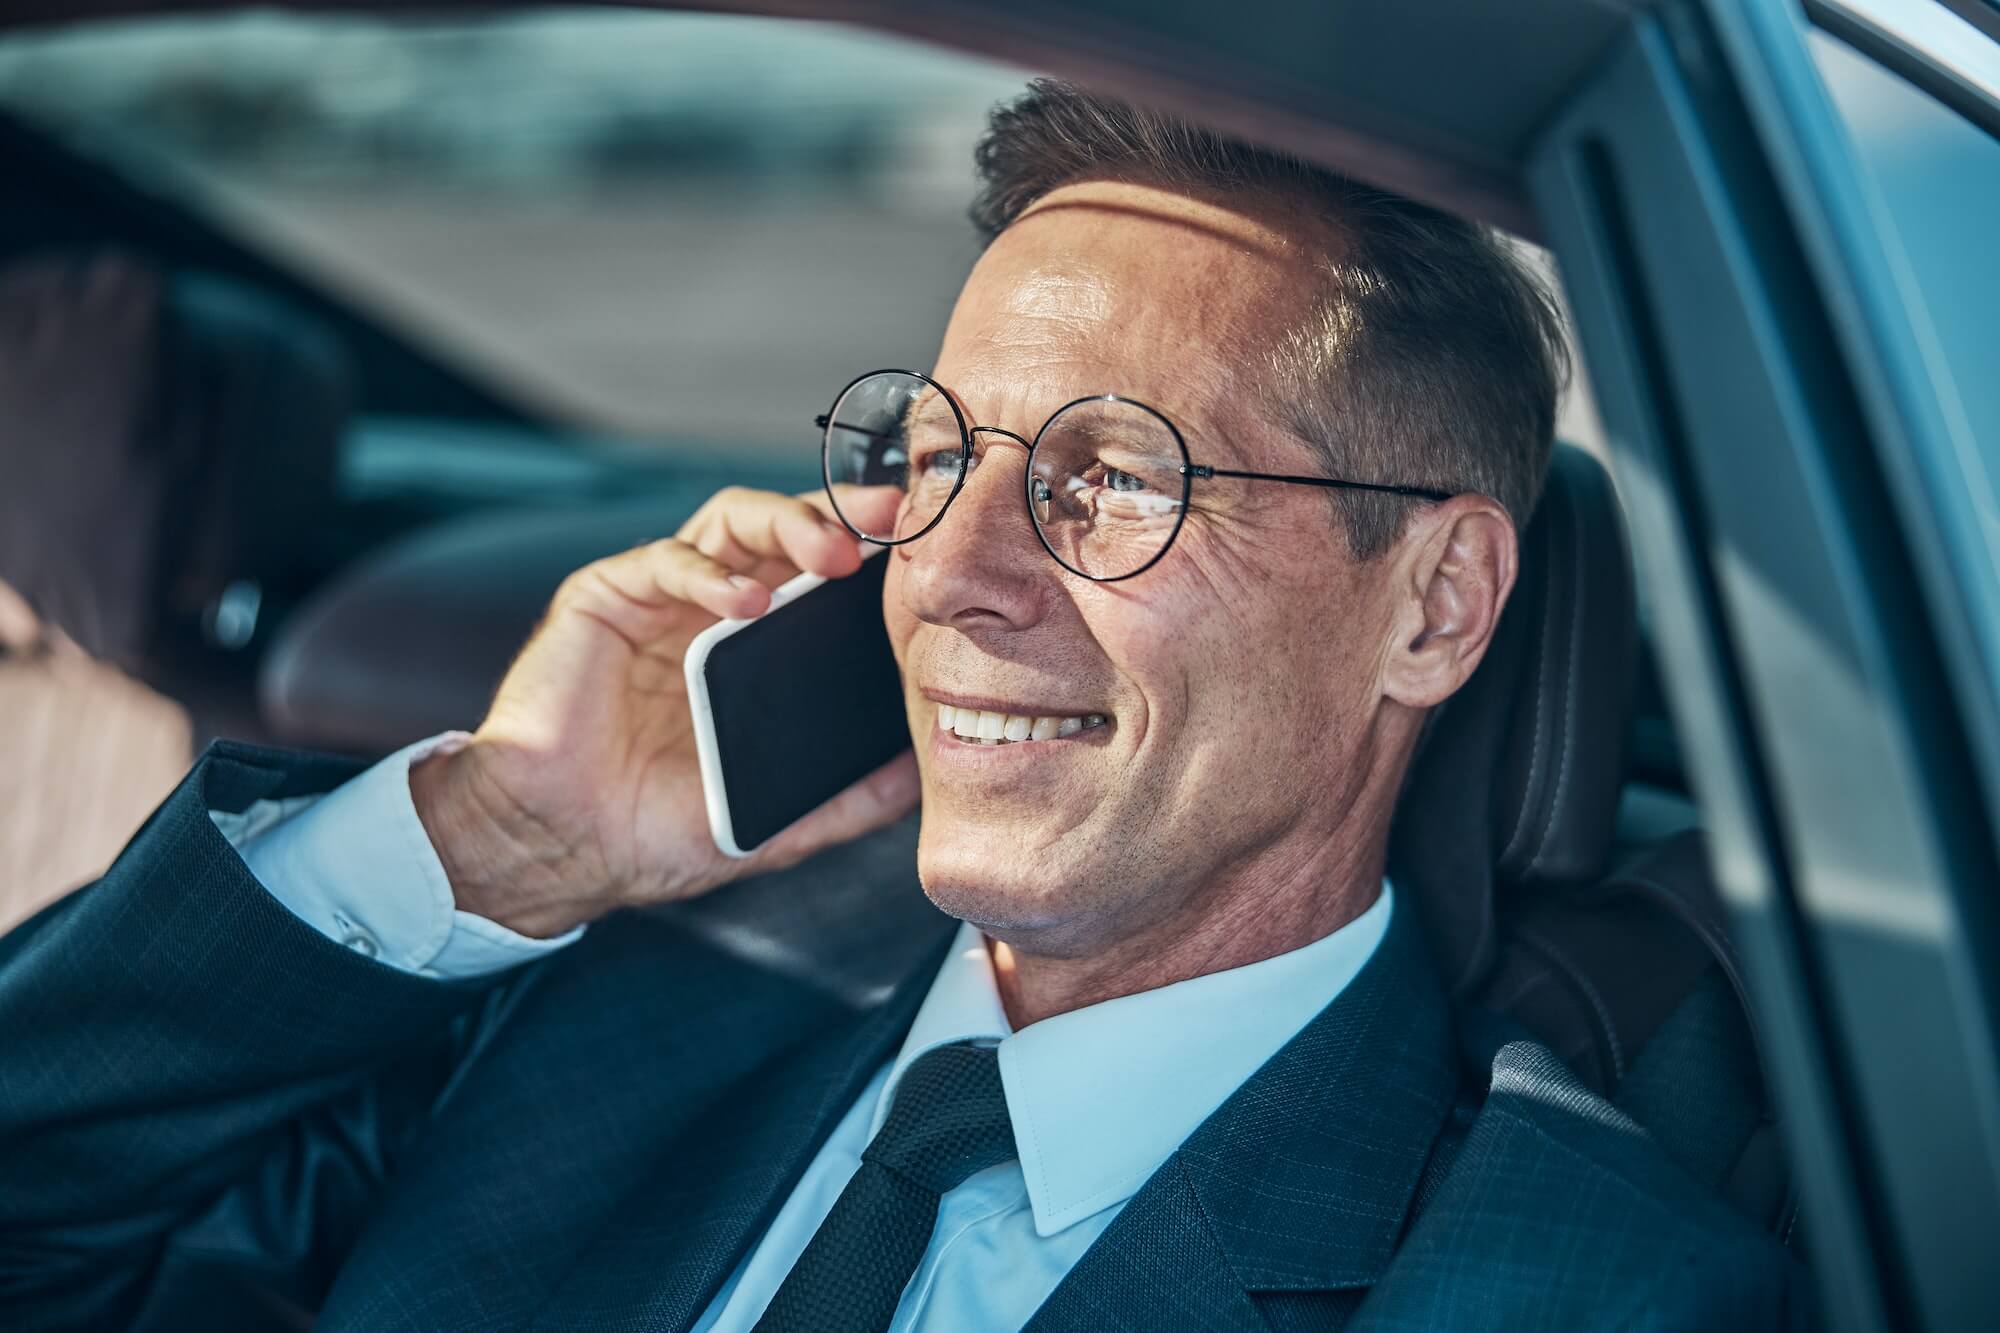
{"points": [[1765, 227]]}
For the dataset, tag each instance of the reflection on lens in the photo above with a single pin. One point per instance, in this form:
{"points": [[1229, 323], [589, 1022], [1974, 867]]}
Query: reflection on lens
{"points": [[1106, 487], [895, 430]]}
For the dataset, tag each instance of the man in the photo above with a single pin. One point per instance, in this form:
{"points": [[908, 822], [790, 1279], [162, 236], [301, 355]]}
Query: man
{"points": [[1184, 1065]]}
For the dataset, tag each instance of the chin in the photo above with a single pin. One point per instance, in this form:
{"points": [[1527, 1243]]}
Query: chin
{"points": [[1040, 902], [997, 884]]}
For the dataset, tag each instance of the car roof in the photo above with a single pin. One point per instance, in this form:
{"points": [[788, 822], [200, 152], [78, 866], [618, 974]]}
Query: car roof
{"points": [[1433, 98]]}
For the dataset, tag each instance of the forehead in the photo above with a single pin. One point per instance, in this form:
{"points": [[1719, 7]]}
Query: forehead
{"points": [[1111, 286]]}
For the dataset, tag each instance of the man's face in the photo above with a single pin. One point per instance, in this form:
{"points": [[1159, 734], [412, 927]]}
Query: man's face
{"points": [[1238, 677]]}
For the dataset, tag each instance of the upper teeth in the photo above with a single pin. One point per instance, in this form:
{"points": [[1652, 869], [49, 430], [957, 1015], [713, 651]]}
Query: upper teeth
{"points": [[975, 724]]}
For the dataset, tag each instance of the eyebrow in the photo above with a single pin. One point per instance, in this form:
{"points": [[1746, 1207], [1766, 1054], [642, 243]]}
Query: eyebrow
{"points": [[1122, 435], [932, 411]]}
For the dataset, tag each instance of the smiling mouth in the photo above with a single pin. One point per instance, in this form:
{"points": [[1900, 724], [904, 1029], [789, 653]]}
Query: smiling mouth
{"points": [[975, 726]]}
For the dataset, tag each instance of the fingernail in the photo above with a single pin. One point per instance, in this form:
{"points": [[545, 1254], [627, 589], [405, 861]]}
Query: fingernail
{"points": [[743, 581]]}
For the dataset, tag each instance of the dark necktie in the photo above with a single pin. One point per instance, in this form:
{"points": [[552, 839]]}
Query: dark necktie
{"points": [[949, 1120]]}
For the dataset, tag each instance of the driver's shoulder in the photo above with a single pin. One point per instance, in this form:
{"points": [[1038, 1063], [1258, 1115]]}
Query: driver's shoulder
{"points": [[1554, 1209]]}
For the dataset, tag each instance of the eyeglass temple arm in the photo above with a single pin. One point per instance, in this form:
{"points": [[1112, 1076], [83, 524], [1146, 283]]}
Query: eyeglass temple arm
{"points": [[823, 421], [1414, 492], [1202, 470]]}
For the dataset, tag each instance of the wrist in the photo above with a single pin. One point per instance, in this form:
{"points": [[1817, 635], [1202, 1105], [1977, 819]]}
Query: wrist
{"points": [[501, 863]]}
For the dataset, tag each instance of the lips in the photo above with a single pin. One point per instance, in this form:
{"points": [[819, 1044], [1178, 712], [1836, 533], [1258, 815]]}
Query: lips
{"points": [[979, 726]]}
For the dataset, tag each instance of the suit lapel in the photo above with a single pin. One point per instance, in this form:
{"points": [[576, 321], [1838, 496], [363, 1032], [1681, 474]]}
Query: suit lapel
{"points": [[1301, 1181], [1158, 1265], [665, 1253]]}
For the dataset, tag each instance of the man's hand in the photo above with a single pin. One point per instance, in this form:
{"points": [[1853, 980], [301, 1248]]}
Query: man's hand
{"points": [[581, 791]]}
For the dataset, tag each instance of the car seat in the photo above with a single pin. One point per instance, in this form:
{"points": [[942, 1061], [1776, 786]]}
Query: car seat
{"points": [[1577, 906], [255, 397], [174, 456]]}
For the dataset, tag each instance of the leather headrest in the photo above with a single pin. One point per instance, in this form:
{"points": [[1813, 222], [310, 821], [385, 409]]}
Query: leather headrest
{"points": [[413, 638], [257, 395], [1515, 785], [196, 422]]}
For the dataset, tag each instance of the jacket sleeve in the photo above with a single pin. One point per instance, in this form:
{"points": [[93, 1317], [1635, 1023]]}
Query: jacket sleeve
{"points": [[182, 1054]]}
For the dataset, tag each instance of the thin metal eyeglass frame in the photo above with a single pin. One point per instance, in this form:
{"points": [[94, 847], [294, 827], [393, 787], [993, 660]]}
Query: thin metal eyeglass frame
{"points": [[1190, 471]]}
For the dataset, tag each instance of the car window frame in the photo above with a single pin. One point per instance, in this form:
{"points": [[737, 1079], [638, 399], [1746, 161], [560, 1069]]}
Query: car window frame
{"points": [[1714, 114]]}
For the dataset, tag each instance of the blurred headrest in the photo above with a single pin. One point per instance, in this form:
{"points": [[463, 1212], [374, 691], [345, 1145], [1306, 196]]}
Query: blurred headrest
{"points": [[166, 435], [1515, 785], [80, 498], [413, 638], [255, 399]]}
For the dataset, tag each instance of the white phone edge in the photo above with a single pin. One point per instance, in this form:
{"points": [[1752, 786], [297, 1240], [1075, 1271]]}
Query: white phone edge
{"points": [[715, 796]]}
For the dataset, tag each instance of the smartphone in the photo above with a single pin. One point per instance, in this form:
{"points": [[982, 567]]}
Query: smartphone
{"points": [[795, 706]]}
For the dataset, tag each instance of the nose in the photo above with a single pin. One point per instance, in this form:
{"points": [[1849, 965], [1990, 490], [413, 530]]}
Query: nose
{"points": [[981, 568]]}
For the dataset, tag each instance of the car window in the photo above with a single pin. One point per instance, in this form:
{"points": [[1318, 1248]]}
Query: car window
{"points": [[694, 226], [643, 223], [1937, 180]]}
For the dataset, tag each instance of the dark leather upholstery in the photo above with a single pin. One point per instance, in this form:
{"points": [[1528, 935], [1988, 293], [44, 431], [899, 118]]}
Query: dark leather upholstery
{"points": [[412, 641], [1517, 780], [168, 454], [256, 396], [1593, 925]]}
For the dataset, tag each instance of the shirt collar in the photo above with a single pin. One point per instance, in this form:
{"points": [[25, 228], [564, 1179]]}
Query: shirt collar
{"points": [[1102, 1095]]}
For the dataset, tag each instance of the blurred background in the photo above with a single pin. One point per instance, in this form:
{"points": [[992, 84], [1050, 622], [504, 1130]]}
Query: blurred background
{"points": [[672, 224], [336, 339]]}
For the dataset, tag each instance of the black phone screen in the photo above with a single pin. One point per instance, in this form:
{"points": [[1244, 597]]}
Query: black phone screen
{"points": [[806, 701]]}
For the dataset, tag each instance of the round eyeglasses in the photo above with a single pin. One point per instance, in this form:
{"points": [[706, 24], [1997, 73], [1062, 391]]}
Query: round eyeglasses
{"points": [[1107, 481]]}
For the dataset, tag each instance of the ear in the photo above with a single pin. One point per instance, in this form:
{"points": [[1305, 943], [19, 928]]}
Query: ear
{"points": [[1458, 564]]}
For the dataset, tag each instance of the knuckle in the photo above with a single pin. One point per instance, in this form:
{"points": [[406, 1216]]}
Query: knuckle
{"points": [[718, 502], [574, 583], [672, 559]]}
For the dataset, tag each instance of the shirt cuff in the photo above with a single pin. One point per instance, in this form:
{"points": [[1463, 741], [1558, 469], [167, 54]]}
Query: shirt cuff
{"points": [[357, 866]]}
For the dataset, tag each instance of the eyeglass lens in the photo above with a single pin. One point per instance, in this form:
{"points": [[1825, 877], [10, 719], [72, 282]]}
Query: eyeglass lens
{"points": [[1106, 490], [1105, 487], [895, 430]]}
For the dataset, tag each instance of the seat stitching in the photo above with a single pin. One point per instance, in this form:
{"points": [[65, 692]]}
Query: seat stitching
{"points": [[1505, 1002], [1714, 933], [1569, 697], [1583, 983], [1713, 936], [1711, 931], [1535, 754]]}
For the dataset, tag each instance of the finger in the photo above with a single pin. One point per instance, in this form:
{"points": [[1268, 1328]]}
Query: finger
{"points": [[18, 626], [669, 573], [774, 573], [878, 800], [741, 527], [864, 508]]}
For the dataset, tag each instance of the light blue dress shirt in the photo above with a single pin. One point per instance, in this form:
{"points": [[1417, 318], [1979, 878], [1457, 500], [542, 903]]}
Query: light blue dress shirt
{"points": [[356, 864], [1099, 1097]]}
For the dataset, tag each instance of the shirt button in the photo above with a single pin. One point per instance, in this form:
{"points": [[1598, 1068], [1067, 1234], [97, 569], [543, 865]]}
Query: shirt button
{"points": [[362, 943]]}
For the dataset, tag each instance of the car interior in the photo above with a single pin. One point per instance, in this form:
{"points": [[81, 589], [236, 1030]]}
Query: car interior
{"points": [[359, 532], [328, 595]]}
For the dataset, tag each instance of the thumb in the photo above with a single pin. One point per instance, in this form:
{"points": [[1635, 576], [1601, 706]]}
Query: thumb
{"points": [[879, 799]]}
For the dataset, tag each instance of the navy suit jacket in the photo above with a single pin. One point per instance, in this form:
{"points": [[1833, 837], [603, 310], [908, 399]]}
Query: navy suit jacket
{"points": [[211, 1116]]}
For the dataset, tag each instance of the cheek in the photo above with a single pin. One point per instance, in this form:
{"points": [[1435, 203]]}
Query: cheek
{"points": [[1247, 665], [895, 615]]}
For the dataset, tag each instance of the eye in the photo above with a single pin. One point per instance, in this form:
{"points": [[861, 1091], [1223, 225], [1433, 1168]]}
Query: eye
{"points": [[1117, 480], [941, 464]]}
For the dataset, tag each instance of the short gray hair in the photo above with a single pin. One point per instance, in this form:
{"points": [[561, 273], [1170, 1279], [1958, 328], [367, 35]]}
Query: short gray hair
{"points": [[1434, 356]]}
